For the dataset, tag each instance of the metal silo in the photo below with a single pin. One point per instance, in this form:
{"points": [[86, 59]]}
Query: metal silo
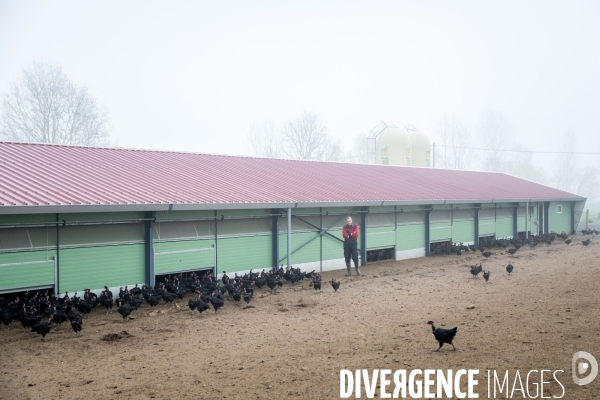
{"points": [[420, 147], [393, 147]]}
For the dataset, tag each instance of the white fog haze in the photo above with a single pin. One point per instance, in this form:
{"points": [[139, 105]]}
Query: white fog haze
{"points": [[270, 199], [201, 76]]}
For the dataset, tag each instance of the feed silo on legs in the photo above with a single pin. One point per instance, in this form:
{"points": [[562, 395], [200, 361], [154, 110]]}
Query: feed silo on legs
{"points": [[393, 147], [420, 148]]}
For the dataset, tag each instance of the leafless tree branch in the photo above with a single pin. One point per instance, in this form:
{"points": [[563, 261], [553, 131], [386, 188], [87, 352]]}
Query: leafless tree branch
{"points": [[46, 106]]}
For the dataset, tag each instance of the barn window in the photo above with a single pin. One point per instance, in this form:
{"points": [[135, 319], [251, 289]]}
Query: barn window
{"points": [[559, 209]]}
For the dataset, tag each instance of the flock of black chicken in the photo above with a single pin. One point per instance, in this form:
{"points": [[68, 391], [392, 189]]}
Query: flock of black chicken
{"points": [[208, 292], [211, 292], [488, 243]]}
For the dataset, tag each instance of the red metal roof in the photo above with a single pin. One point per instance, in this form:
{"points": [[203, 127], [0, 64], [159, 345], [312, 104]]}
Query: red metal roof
{"points": [[49, 175]]}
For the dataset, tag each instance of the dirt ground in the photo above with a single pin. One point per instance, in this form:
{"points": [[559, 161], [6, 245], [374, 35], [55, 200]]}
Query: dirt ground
{"points": [[294, 343]]}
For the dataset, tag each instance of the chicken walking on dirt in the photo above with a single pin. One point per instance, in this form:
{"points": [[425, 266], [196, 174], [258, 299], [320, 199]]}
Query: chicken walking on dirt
{"points": [[509, 268], [335, 285], [443, 335], [476, 270]]}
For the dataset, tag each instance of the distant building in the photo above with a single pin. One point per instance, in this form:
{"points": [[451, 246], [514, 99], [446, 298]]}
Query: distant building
{"points": [[82, 217], [398, 146]]}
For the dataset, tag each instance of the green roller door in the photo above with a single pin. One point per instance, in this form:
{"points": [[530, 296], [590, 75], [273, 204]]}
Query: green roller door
{"points": [[181, 256], [487, 221], [26, 255], [411, 237], [96, 267], [410, 230], [183, 246], [30, 275], [440, 225], [504, 222], [559, 217], [380, 231], [244, 244], [95, 256], [463, 226], [244, 253]]}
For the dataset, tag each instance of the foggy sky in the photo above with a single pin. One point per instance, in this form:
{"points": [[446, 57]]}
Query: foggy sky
{"points": [[193, 76]]}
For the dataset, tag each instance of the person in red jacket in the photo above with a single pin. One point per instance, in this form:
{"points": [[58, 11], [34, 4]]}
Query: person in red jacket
{"points": [[350, 234]]}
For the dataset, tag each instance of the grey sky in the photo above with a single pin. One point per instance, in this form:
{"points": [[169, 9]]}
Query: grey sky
{"points": [[194, 75]]}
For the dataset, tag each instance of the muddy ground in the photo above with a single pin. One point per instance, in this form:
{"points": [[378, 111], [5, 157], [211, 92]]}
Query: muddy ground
{"points": [[294, 343]]}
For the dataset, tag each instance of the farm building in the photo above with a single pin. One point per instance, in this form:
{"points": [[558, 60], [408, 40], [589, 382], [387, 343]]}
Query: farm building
{"points": [[80, 217]]}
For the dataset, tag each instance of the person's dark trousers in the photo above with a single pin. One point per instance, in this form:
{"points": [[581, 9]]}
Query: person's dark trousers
{"points": [[351, 252]]}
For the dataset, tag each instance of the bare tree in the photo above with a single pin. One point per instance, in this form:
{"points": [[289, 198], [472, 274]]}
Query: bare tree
{"points": [[306, 138], [520, 163], [357, 153], [587, 182], [265, 140], [46, 106], [495, 133], [565, 162], [457, 145]]}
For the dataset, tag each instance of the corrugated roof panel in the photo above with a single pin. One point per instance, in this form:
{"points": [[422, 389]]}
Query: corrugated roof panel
{"points": [[61, 175]]}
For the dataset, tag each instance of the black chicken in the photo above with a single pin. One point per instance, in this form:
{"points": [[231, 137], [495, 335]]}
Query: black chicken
{"points": [[192, 305], [201, 306], [136, 291], [168, 297], [568, 241], [6, 319], [107, 302], [124, 310], [76, 323], [29, 320], [237, 295], [317, 282], [475, 270], [486, 275], [217, 302], [512, 251], [586, 242], [43, 328], [271, 283], [198, 304], [309, 275], [443, 335], [486, 254], [59, 317], [509, 268], [85, 308], [335, 285], [152, 300], [135, 303], [247, 297], [293, 278]]}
